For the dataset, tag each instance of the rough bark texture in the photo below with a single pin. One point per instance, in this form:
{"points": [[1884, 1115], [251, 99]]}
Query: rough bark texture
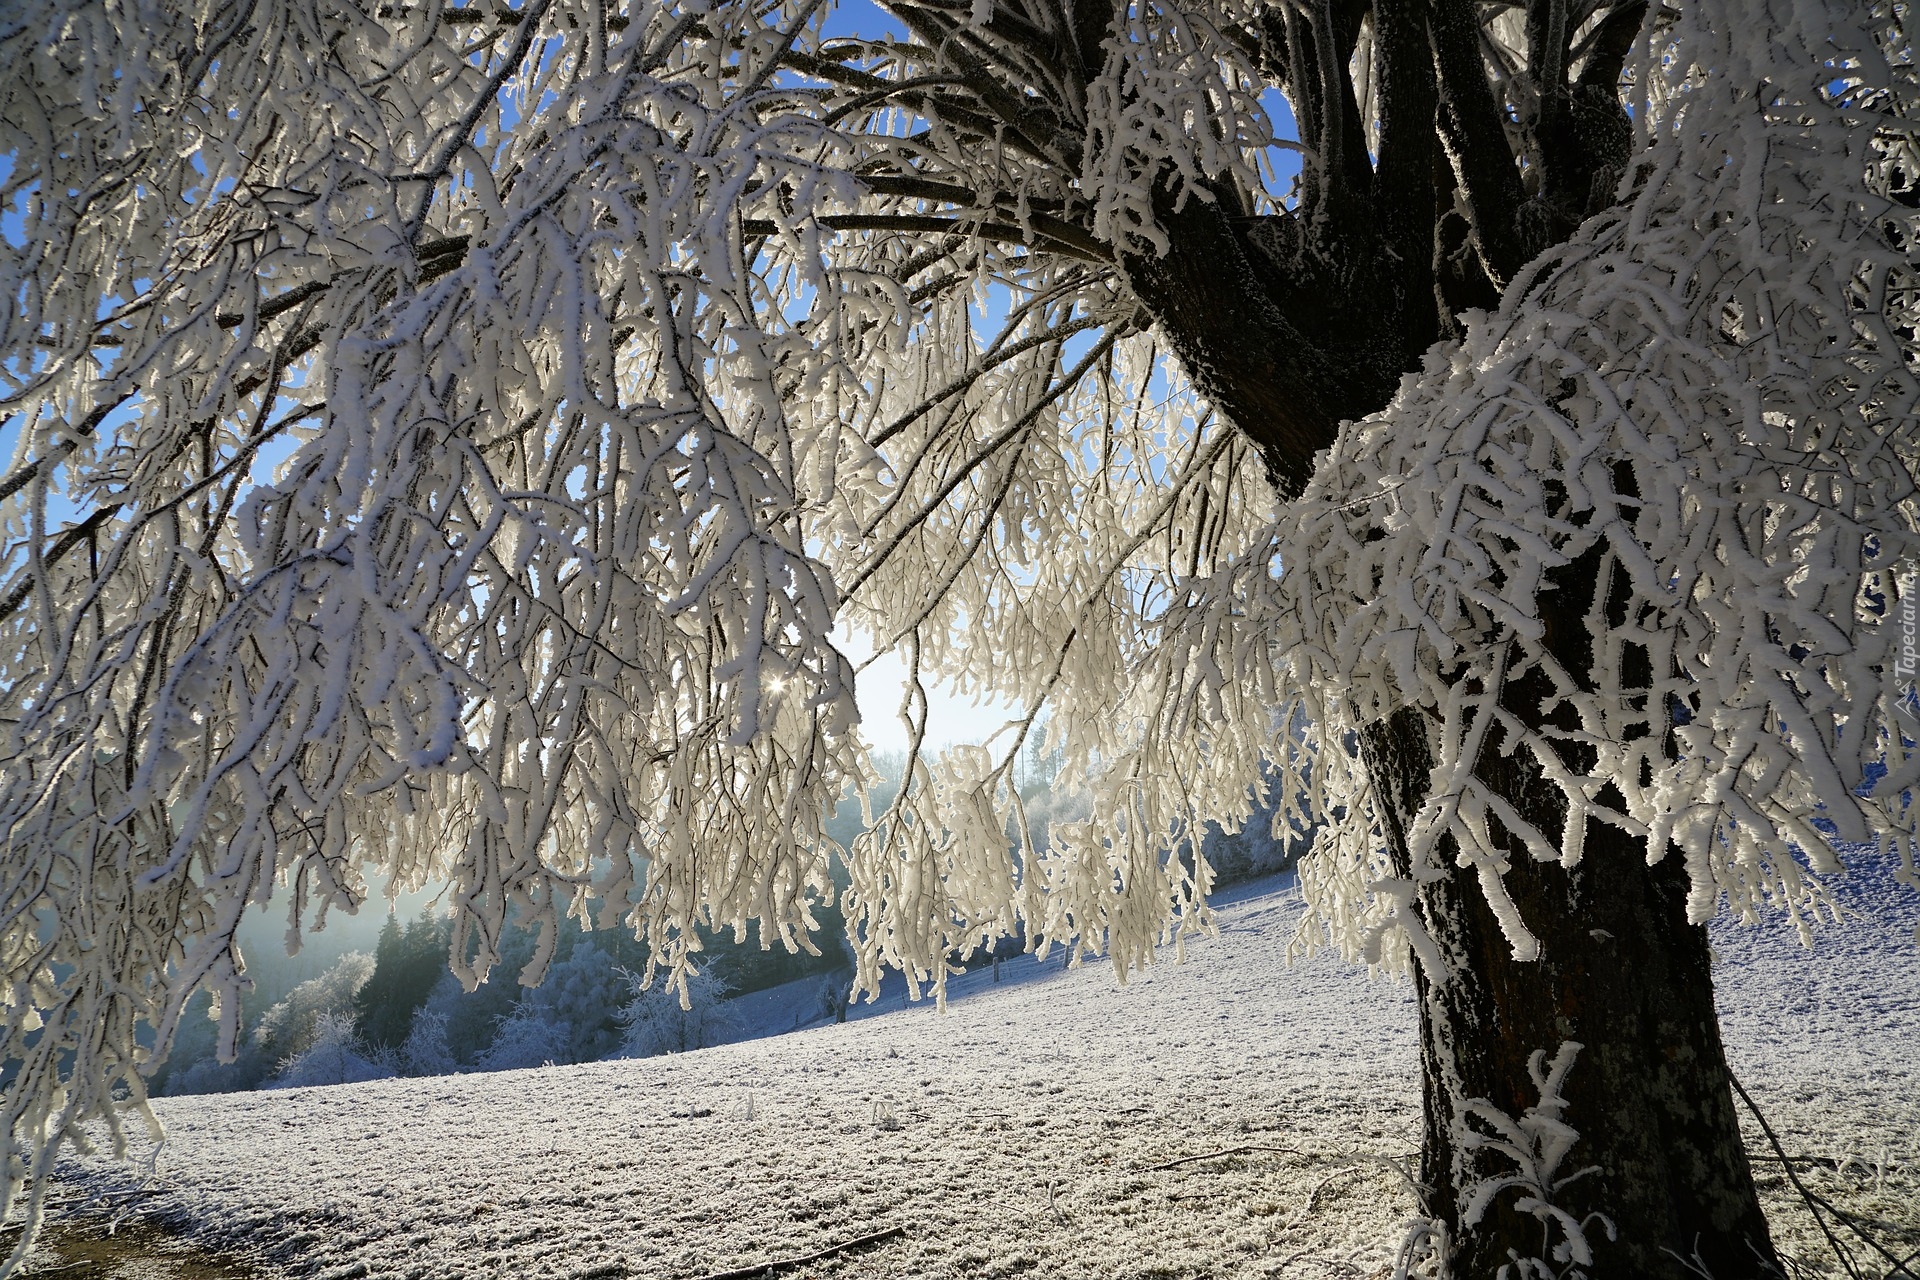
{"points": [[1620, 972]]}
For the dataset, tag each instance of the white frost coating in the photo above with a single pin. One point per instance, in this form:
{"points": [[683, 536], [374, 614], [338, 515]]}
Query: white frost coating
{"points": [[1536, 1143], [1167, 66], [1736, 342], [504, 425], [528, 608]]}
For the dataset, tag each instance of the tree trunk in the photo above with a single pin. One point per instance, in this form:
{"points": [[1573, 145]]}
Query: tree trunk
{"points": [[1622, 974], [1285, 332]]}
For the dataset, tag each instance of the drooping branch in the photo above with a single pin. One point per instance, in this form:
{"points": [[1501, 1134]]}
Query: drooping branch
{"points": [[66, 542], [990, 361], [914, 94], [1028, 117], [80, 432]]}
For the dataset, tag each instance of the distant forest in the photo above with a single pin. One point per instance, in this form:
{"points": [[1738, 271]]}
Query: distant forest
{"points": [[338, 1015]]}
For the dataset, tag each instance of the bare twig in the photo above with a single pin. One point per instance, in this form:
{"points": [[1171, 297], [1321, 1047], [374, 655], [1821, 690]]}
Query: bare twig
{"points": [[1048, 233], [1313, 1197], [87, 426], [66, 542], [759, 1269], [1829, 1161], [1816, 1202], [1217, 1155]]}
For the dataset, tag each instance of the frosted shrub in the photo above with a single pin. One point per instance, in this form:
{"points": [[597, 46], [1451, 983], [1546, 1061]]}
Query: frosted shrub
{"points": [[284, 1033], [584, 992], [569, 1017], [333, 1055], [470, 1019], [425, 1051], [655, 1020], [532, 1035], [312, 1009]]}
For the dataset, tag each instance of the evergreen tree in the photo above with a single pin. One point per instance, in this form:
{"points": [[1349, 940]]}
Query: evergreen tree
{"points": [[406, 965]]}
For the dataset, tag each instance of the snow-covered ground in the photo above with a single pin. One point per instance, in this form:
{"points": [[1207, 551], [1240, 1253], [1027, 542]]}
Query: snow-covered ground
{"points": [[1018, 1134]]}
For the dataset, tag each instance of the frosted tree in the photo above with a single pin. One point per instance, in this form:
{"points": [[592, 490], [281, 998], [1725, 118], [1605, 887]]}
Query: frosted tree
{"points": [[448, 438], [653, 1021]]}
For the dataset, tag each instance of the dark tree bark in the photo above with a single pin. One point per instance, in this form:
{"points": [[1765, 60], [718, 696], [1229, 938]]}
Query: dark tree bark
{"points": [[1620, 972]]}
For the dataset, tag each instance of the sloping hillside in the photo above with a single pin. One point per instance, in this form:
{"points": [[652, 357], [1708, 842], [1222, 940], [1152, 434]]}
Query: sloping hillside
{"points": [[1032, 1130]]}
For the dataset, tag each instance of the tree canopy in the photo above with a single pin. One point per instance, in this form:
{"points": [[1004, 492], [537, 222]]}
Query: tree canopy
{"points": [[451, 442]]}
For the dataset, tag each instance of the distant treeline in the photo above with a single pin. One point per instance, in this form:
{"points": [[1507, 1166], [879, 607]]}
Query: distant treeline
{"points": [[399, 1011]]}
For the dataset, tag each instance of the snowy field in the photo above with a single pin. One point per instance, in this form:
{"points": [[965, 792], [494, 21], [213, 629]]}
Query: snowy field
{"points": [[1028, 1132]]}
